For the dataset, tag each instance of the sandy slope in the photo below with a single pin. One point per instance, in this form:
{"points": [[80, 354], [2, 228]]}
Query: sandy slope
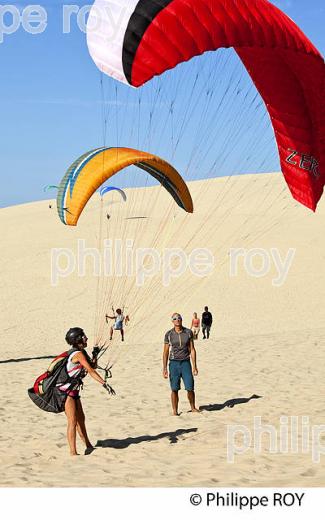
{"points": [[266, 340]]}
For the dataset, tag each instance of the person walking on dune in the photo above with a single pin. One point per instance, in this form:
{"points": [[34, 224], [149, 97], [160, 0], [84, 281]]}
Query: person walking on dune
{"points": [[179, 350], [206, 323], [195, 326]]}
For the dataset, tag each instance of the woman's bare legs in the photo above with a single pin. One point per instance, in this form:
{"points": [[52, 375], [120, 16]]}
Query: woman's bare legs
{"points": [[71, 413], [76, 422], [81, 426]]}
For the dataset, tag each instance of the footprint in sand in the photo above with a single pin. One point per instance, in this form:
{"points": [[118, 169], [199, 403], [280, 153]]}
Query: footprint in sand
{"points": [[311, 472]]}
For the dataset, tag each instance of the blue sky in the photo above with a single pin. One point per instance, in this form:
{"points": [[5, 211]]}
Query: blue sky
{"points": [[52, 104]]}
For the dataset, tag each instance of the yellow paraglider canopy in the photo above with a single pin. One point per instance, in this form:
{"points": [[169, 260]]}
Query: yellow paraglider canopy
{"points": [[94, 168]]}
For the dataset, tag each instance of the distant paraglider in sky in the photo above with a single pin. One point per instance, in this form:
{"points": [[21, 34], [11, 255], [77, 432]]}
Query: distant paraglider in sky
{"points": [[108, 189], [50, 187], [286, 68], [92, 169]]}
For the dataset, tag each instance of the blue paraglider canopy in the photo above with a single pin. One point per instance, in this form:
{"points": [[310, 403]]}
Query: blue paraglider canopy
{"points": [[106, 189]]}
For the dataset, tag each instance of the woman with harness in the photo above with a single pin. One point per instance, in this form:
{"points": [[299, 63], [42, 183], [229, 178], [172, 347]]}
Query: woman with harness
{"points": [[79, 365]]}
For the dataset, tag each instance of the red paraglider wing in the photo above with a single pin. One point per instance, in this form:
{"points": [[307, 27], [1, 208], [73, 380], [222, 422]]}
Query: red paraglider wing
{"points": [[286, 68]]}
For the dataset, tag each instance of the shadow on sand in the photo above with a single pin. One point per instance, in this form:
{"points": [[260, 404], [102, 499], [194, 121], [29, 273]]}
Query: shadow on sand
{"points": [[120, 444], [228, 404], [20, 360]]}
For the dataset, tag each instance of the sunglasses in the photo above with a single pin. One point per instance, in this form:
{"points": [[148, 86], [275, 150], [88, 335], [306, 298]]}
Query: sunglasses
{"points": [[176, 318]]}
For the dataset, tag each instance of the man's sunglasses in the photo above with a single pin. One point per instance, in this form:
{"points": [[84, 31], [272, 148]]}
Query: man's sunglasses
{"points": [[175, 318]]}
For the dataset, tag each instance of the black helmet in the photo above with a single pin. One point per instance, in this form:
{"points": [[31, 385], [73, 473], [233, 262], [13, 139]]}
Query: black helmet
{"points": [[74, 336]]}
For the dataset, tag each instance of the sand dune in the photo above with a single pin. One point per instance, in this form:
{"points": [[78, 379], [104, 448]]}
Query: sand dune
{"points": [[267, 340]]}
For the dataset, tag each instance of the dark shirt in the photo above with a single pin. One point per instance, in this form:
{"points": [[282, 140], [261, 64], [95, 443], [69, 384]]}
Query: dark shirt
{"points": [[207, 318], [179, 343]]}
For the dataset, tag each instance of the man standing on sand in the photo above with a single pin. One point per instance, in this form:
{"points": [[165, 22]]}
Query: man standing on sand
{"points": [[206, 323], [179, 349]]}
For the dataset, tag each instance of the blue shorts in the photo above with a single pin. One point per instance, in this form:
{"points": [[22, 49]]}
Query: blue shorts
{"points": [[118, 326], [181, 370]]}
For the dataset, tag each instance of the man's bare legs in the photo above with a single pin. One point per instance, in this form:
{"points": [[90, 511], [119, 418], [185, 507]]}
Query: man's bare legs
{"points": [[111, 334], [191, 398], [175, 399]]}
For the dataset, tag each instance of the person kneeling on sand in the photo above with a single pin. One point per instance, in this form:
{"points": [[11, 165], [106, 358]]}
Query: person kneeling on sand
{"points": [[179, 349]]}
